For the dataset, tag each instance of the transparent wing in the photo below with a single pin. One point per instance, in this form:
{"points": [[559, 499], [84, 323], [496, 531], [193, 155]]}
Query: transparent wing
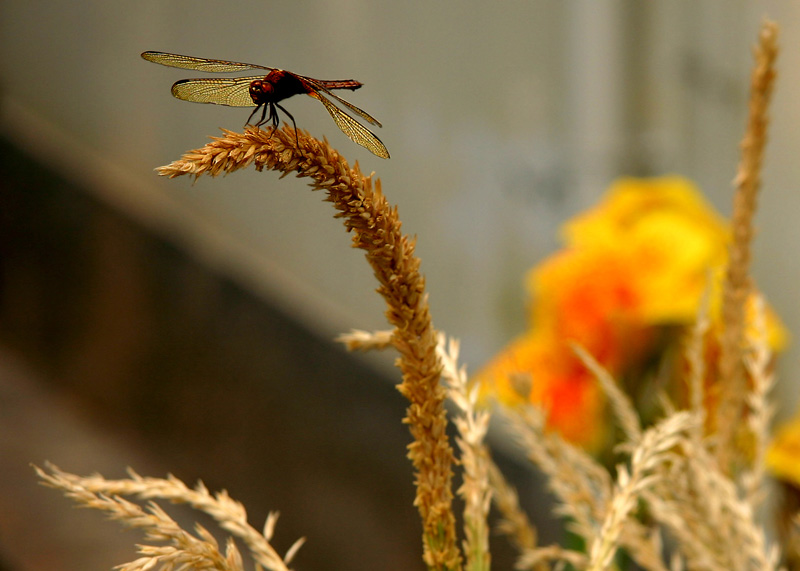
{"points": [[358, 111], [198, 63], [353, 129], [232, 91]]}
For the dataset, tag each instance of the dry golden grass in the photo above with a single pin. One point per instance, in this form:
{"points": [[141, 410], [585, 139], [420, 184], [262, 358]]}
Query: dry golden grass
{"points": [[672, 478], [737, 286], [376, 229], [472, 425], [183, 550]]}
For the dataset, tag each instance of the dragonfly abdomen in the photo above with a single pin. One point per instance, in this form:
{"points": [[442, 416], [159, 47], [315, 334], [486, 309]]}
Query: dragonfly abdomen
{"points": [[340, 83]]}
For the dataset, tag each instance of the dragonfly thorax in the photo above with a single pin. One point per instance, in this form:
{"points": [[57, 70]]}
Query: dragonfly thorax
{"points": [[276, 86]]}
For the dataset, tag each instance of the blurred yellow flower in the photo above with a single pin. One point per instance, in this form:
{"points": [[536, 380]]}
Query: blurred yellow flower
{"points": [[668, 232], [634, 267], [783, 454]]}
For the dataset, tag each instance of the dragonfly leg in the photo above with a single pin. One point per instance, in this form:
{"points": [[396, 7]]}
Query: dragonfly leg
{"points": [[293, 123], [263, 114], [273, 118]]}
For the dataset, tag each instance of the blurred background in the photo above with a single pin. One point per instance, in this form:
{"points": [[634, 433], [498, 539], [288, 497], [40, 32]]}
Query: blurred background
{"points": [[172, 326]]}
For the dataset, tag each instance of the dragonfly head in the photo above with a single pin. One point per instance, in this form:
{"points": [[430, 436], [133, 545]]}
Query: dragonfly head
{"points": [[261, 91]]}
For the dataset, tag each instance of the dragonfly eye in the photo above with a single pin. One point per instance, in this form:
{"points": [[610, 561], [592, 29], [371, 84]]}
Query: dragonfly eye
{"points": [[259, 88]]}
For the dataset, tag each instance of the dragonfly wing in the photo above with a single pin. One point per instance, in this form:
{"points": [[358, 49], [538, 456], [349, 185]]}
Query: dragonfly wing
{"points": [[358, 111], [198, 63], [232, 91], [353, 129]]}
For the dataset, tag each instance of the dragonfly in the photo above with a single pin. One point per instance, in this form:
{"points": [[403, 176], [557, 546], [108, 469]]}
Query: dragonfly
{"points": [[266, 91]]}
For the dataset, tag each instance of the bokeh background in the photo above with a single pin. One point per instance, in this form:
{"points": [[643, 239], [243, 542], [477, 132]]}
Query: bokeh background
{"points": [[183, 327]]}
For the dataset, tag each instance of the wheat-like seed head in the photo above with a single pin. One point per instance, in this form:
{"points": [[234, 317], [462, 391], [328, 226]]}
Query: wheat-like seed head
{"points": [[375, 225]]}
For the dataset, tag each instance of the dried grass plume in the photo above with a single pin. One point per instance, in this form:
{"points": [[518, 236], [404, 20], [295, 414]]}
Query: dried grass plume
{"points": [[376, 230], [179, 549], [737, 286]]}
